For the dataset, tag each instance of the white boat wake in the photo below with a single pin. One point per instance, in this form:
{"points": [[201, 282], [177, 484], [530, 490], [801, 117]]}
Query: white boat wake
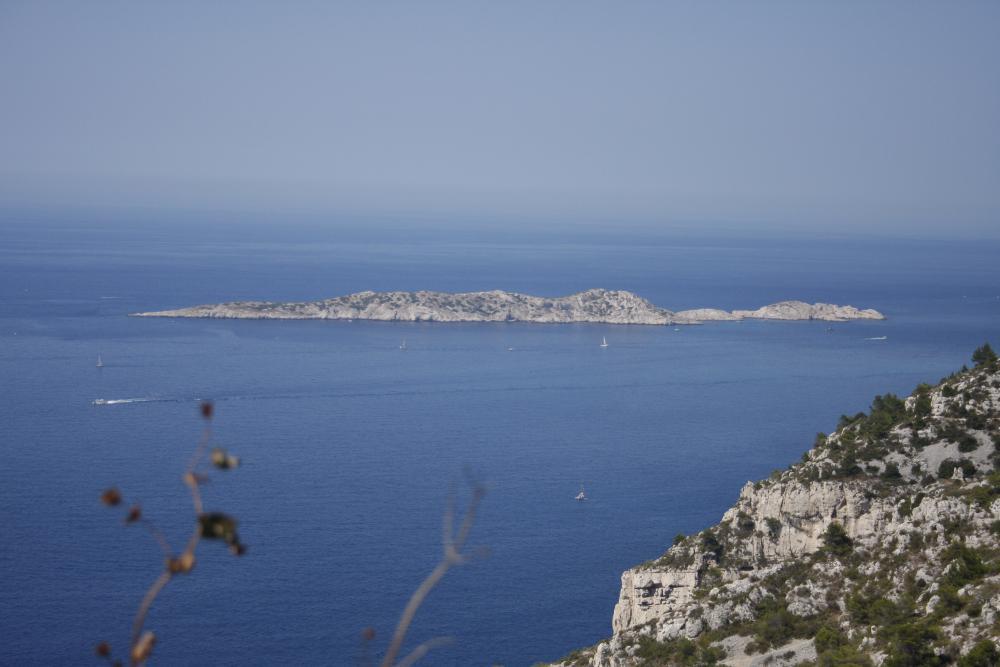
{"points": [[122, 401]]}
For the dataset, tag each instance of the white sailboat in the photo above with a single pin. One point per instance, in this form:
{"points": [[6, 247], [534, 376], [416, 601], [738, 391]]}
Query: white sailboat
{"points": [[604, 341], [100, 362], [582, 495], [402, 345]]}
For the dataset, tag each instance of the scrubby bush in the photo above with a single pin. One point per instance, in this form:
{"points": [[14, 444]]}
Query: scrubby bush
{"points": [[984, 355], [836, 541], [983, 654], [681, 651], [912, 645], [968, 444], [965, 564], [829, 638], [947, 468], [891, 472], [710, 543]]}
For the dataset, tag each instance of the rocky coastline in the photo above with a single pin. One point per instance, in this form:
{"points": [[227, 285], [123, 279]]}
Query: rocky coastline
{"points": [[881, 547], [593, 306]]}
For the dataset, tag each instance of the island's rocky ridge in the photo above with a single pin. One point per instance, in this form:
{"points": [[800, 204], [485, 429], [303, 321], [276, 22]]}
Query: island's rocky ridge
{"points": [[596, 306], [879, 548]]}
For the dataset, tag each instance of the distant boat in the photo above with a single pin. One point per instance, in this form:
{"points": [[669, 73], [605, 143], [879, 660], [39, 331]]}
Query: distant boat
{"points": [[100, 363], [582, 495], [604, 341], [510, 349], [878, 338], [402, 345]]}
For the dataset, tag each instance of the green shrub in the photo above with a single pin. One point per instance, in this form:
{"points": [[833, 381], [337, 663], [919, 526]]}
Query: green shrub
{"points": [[681, 651], [745, 524], [983, 654], [776, 625], [965, 564], [912, 646], [891, 472], [710, 543], [846, 656], [984, 355], [968, 444], [836, 541], [829, 638], [947, 468]]}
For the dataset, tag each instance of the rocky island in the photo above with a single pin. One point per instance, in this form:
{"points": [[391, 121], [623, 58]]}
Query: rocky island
{"points": [[879, 548], [596, 306]]}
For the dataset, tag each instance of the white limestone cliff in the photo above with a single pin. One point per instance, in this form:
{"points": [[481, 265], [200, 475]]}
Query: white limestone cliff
{"points": [[596, 306], [900, 507]]}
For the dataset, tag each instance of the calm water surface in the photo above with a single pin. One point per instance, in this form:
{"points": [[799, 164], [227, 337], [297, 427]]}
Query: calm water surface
{"points": [[350, 446]]}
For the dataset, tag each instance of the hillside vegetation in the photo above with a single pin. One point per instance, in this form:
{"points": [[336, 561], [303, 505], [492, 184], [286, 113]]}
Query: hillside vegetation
{"points": [[879, 548]]}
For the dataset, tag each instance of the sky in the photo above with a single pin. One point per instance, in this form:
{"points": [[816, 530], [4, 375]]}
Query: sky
{"points": [[803, 115]]}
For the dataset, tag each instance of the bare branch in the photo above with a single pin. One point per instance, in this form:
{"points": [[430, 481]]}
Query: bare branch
{"points": [[147, 601], [423, 650], [452, 547], [158, 536], [191, 478]]}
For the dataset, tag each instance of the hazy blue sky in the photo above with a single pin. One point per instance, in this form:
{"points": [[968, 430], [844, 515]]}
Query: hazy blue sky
{"points": [[868, 114]]}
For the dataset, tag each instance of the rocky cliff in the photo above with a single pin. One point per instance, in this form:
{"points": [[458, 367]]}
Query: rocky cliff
{"points": [[879, 547], [596, 305]]}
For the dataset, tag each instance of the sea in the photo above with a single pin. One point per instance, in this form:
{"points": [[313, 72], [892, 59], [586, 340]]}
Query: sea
{"points": [[352, 448]]}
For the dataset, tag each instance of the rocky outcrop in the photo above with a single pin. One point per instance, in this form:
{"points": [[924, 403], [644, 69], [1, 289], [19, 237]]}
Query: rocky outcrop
{"points": [[596, 305], [887, 528], [785, 310], [799, 310]]}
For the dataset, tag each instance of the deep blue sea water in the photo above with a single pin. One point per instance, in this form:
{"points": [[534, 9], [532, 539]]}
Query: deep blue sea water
{"points": [[350, 446]]}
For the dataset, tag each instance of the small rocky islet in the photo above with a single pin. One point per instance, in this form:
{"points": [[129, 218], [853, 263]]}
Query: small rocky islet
{"points": [[592, 306]]}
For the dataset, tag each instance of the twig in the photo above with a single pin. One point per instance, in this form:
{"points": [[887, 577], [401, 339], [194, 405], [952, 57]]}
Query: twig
{"points": [[158, 536], [187, 556], [147, 601], [191, 477], [423, 650], [452, 548]]}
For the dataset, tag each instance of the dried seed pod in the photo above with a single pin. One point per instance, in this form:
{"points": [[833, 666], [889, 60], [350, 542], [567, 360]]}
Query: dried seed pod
{"points": [[134, 514], [103, 650], [187, 561], [182, 564], [219, 526], [111, 497], [222, 459], [207, 409]]}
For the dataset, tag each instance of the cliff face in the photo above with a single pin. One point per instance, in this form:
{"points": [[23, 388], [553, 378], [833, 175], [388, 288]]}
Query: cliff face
{"points": [[881, 544], [785, 310], [596, 305]]}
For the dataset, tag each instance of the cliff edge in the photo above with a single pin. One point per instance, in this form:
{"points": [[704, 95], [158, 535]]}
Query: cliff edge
{"points": [[879, 548]]}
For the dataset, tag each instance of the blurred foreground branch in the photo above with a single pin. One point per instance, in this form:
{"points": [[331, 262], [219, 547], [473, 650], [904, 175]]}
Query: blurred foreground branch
{"points": [[452, 543], [211, 525]]}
